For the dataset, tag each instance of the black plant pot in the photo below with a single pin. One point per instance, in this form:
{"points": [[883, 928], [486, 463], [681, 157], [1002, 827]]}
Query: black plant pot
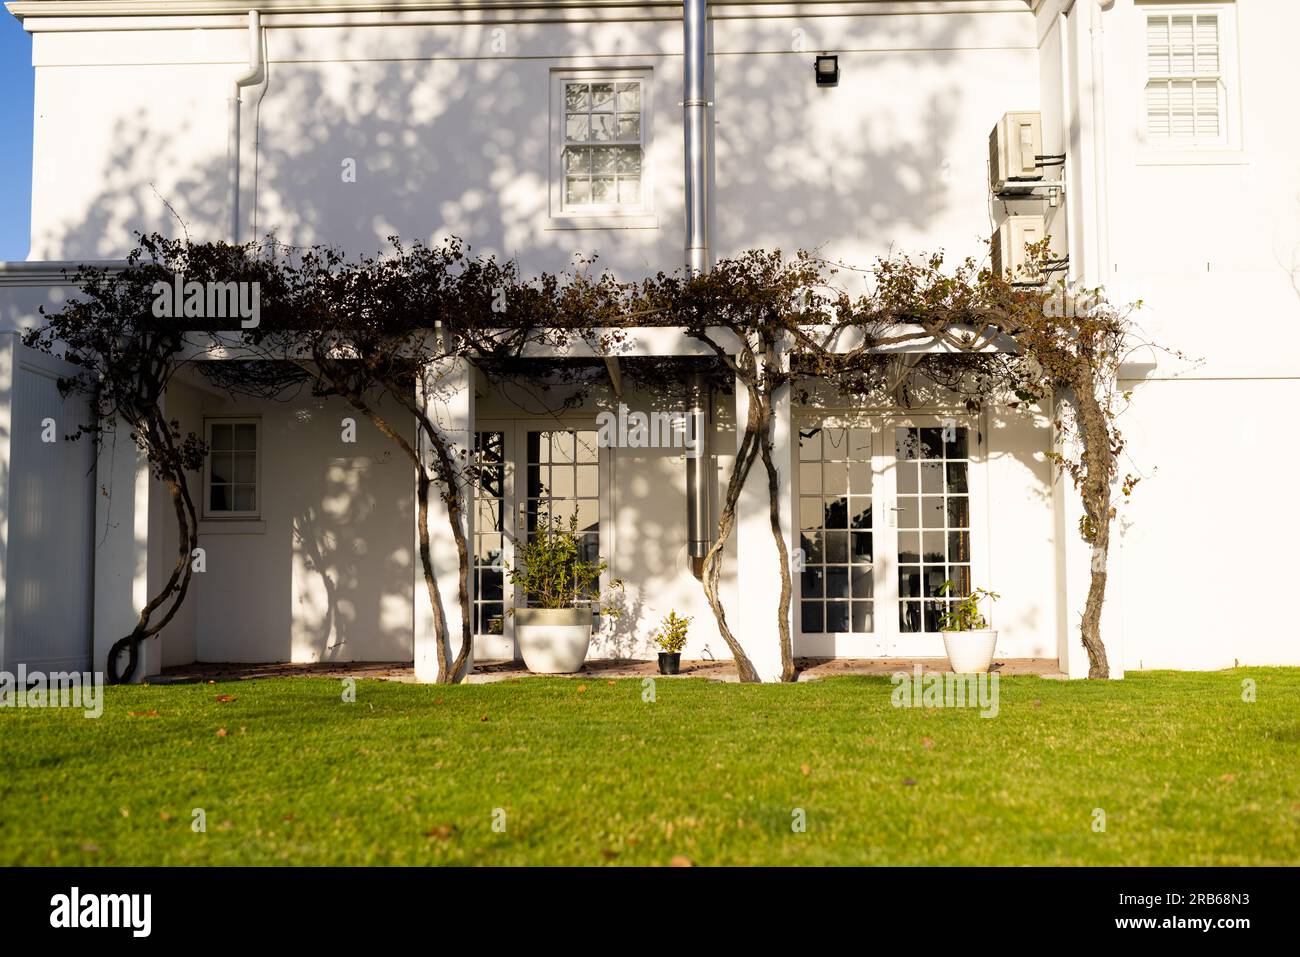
{"points": [[670, 662]]}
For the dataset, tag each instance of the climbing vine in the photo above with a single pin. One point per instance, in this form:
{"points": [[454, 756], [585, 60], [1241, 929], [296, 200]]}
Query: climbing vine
{"points": [[396, 335]]}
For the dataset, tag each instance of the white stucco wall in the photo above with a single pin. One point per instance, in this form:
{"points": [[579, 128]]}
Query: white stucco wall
{"points": [[449, 128], [325, 573], [1209, 241]]}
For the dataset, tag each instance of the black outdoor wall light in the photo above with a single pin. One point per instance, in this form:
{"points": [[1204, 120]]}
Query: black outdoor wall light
{"points": [[827, 70]]}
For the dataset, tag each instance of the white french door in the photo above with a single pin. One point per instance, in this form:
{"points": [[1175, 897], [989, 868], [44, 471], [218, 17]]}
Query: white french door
{"points": [[530, 470], [885, 516]]}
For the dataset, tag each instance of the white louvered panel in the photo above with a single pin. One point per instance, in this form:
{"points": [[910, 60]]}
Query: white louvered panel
{"points": [[1207, 44], [51, 520], [1158, 109], [1182, 109], [1184, 88], [1207, 108], [1183, 43], [1157, 46]]}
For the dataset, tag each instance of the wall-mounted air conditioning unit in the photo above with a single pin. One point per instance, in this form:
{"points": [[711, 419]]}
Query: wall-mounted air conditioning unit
{"points": [[1008, 251], [1014, 147]]}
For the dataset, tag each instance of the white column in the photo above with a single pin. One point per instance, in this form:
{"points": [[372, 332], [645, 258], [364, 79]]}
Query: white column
{"points": [[122, 482], [447, 395], [1074, 559], [758, 575]]}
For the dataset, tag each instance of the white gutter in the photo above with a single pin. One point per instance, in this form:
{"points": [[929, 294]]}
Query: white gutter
{"points": [[1100, 154], [254, 75], [695, 110], [695, 122]]}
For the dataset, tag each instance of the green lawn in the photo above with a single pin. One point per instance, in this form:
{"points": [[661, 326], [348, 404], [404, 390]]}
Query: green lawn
{"points": [[586, 772]]}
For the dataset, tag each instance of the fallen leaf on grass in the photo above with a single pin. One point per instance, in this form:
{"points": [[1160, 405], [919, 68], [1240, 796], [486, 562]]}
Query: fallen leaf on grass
{"points": [[165, 815], [581, 688], [805, 769], [1228, 778], [443, 832], [221, 732], [927, 743], [142, 714], [608, 853], [484, 718], [1037, 703], [124, 811], [681, 860], [225, 697]]}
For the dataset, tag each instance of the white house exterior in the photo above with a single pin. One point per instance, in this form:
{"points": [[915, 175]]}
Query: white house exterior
{"points": [[1180, 186]]}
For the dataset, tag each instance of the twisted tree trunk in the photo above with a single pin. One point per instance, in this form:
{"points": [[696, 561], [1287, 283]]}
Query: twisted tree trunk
{"points": [[778, 536], [423, 482], [153, 427], [1094, 489], [745, 455]]}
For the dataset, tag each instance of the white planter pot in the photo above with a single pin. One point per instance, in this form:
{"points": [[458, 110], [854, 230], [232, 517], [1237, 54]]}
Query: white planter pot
{"points": [[970, 652], [553, 641]]}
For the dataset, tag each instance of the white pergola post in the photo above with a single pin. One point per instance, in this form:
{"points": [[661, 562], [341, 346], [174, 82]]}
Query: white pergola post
{"points": [[758, 576], [122, 482], [1074, 558], [447, 395]]}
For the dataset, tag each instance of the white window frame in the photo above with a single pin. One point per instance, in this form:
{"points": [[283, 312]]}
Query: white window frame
{"points": [[210, 514], [640, 215], [1224, 148], [887, 640]]}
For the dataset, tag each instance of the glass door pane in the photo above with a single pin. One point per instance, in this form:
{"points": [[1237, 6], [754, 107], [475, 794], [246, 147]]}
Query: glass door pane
{"points": [[837, 581], [932, 476], [562, 470], [490, 534]]}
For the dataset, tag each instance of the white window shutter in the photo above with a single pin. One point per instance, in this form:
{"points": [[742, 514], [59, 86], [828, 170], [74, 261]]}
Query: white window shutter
{"points": [[1184, 85]]}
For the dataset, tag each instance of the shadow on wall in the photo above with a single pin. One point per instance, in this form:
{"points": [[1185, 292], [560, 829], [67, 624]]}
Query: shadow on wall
{"points": [[326, 573], [444, 143], [353, 526]]}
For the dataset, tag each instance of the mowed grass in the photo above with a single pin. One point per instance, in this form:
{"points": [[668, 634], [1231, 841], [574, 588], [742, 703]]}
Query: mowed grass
{"points": [[584, 771]]}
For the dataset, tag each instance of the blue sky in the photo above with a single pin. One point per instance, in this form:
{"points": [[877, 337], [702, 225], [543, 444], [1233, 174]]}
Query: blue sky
{"points": [[15, 138]]}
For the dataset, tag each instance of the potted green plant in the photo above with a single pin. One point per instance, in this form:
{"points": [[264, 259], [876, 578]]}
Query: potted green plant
{"points": [[561, 590], [967, 637], [670, 636]]}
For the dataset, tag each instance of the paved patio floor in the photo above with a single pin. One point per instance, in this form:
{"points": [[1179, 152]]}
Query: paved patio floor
{"points": [[810, 669]]}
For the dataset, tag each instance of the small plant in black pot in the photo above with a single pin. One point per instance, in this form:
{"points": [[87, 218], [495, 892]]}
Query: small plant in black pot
{"points": [[670, 636]]}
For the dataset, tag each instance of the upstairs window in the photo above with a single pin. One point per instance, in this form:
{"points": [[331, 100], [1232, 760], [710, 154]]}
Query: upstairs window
{"points": [[1186, 98], [602, 133]]}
